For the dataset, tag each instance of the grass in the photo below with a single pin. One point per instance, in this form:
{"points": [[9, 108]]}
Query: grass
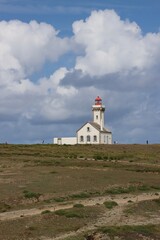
{"points": [[70, 213], [132, 232], [28, 194], [144, 208], [49, 224], [74, 238], [140, 153], [110, 204], [45, 212], [131, 189], [78, 211], [80, 195], [78, 205], [4, 207], [60, 199], [58, 174]]}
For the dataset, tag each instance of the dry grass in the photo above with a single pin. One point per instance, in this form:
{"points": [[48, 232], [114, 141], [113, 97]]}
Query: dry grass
{"points": [[49, 224], [54, 172], [140, 232], [145, 208], [34, 175]]}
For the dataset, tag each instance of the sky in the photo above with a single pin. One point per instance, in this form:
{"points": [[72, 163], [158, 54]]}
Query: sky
{"points": [[56, 56]]}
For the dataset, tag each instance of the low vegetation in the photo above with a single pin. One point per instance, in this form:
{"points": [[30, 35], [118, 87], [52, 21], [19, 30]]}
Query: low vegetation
{"points": [[131, 189], [144, 208], [110, 204], [28, 194], [132, 232], [37, 176]]}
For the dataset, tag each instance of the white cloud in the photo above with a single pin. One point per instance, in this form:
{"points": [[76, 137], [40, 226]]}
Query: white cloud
{"points": [[113, 45], [113, 59], [25, 47]]}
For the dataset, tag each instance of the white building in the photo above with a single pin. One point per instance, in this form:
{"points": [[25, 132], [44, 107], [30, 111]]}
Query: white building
{"points": [[91, 132]]}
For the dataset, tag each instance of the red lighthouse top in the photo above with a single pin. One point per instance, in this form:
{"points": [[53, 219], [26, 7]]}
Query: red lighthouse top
{"points": [[98, 101]]}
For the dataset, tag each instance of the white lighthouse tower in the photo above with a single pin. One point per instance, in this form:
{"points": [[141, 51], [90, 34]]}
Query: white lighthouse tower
{"points": [[98, 112]]}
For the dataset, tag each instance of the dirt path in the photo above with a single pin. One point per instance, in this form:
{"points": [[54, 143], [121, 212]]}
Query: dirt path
{"points": [[121, 200], [116, 216]]}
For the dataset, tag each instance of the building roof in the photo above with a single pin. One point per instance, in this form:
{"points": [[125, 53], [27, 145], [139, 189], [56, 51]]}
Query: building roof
{"points": [[96, 126]]}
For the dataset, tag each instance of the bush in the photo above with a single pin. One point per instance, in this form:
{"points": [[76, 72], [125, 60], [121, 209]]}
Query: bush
{"points": [[31, 194], [80, 195], [45, 212], [110, 204], [146, 230], [129, 189], [78, 205], [69, 213], [59, 199], [118, 190], [97, 157]]}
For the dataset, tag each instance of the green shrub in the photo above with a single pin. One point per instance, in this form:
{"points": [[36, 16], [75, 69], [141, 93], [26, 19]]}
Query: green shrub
{"points": [[155, 187], [28, 194], [80, 195], [118, 190], [143, 188], [45, 212], [110, 204], [97, 157], [146, 230], [78, 205], [129, 189], [60, 212], [59, 199], [69, 213]]}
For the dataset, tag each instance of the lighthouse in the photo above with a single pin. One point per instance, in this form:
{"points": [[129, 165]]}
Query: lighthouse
{"points": [[98, 112], [92, 132]]}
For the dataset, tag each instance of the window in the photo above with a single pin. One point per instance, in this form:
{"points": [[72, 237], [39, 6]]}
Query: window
{"points": [[88, 129], [81, 138], [95, 138], [96, 116], [88, 138]]}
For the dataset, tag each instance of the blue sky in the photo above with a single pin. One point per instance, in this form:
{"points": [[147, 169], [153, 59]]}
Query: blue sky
{"points": [[57, 56], [63, 13]]}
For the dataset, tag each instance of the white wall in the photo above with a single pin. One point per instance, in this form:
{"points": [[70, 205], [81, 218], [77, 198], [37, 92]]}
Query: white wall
{"points": [[65, 140], [106, 138], [87, 130]]}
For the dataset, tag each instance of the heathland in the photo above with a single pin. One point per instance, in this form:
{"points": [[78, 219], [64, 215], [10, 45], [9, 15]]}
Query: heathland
{"points": [[79, 192]]}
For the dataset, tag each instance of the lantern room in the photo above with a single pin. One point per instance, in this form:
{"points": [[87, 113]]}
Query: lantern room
{"points": [[98, 101]]}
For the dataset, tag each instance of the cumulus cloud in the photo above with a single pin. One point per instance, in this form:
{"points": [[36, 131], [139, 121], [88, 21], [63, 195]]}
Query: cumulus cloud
{"points": [[25, 47], [114, 59], [113, 45]]}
